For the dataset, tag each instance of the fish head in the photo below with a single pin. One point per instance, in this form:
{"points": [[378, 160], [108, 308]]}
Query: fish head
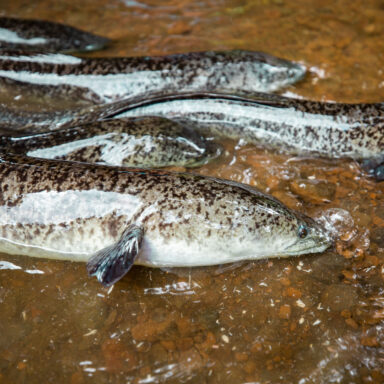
{"points": [[267, 228], [273, 73], [304, 236], [85, 42], [187, 147], [197, 155], [154, 141]]}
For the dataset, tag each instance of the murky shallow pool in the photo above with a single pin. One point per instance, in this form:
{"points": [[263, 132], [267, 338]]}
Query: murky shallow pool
{"points": [[313, 319]]}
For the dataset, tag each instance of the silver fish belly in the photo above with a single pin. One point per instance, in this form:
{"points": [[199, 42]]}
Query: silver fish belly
{"points": [[111, 79], [113, 217], [35, 35], [132, 142], [292, 125]]}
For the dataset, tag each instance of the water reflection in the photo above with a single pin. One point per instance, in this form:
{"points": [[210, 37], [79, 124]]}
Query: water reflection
{"points": [[8, 265], [179, 288]]}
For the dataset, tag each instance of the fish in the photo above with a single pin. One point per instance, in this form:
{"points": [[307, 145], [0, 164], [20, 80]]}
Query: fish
{"points": [[114, 217], [378, 171], [293, 126], [14, 121], [48, 36], [43, 96], [111, 79], [131, 142]]}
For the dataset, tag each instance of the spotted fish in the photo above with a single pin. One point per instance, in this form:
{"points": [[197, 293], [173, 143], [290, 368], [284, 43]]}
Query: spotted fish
{"points": [[133, 142], [109, 79], [114, 217], [294, 126], [14, 120], [40, 35]]}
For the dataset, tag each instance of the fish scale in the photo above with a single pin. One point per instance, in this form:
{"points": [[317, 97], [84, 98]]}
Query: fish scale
{"points": [[38, 35], [291, 125], [74, 210], [143, 141], [111, 79]]}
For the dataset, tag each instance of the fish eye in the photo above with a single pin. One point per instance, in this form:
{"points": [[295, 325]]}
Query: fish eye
{"points": [[302, 231]]}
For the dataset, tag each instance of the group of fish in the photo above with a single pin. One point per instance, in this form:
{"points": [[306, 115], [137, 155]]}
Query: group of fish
{"points": [[84, 184]]}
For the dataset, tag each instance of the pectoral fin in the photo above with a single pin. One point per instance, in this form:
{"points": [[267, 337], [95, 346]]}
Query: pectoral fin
{"points": [[375, 167], [379, 172], [111, 263]]}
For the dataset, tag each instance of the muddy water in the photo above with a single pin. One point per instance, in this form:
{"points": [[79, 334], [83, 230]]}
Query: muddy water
{"points": [[313, 319]]}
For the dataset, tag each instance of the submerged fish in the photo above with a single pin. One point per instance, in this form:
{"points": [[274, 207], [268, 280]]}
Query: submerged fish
{"points": [[63, 97], [112, 217], [292, 125], [110, 79], [132, 142], [13, 120], [40, 35]]}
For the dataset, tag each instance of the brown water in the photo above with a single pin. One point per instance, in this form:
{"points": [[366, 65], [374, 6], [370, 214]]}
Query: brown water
{"points": [[314, 319]]}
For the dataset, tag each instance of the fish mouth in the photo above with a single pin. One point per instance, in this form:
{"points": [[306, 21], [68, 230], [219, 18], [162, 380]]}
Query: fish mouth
{"points": [[314, 246], [212, 151], [300, 71], [95, 46]]}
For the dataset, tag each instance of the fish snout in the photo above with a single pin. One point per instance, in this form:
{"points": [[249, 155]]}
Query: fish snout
{"points": [[312, 237], [205, 152], [319, 234]]}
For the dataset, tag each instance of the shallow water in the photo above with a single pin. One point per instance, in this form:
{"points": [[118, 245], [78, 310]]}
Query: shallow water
{"points": [[313, 319]]}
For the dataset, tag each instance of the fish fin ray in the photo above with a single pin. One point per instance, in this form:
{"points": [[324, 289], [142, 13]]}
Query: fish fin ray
{"points": [[374, 167], [379, 172], [110, 264]]}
